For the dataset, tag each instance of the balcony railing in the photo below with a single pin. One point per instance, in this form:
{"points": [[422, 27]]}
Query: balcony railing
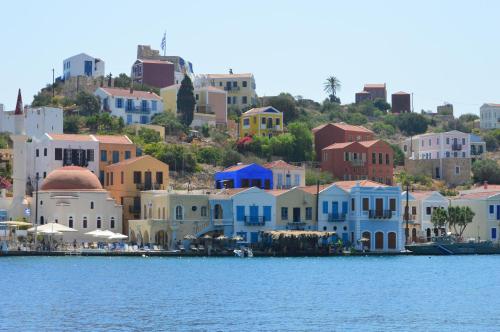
{"points": [[336, 217], [138, 110], [255, 220], [456, 147], [232, 88], [357, 162], [296, 225], [380, 214]]}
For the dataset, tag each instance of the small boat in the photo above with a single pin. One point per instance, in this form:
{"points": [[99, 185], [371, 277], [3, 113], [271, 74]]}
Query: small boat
{"points": [[449, 245], [243, 252]]}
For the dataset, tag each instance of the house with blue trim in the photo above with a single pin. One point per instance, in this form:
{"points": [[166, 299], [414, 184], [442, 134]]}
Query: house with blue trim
{"points": [[221, 212], [254, 212], [244, 176]]}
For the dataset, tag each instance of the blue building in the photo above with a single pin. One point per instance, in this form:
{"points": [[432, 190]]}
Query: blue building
{"points": [[244, 176]]}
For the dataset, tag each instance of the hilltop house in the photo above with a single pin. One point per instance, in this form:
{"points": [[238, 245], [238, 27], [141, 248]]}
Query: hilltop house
{"points": [[261, 121]]}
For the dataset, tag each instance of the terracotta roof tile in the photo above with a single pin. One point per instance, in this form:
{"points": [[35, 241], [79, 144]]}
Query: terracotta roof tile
{"points": [[369, 143], [126, 93], [280, 164], [400, 93], [349, 127], [476, 195], [277, 192], [131, 161], [336, 146], [113, 139], [243, 75], [376, 85], [235, 168], [71, 137]]}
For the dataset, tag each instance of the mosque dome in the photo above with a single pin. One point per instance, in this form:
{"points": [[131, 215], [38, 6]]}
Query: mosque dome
{"points": [[71, 178]]}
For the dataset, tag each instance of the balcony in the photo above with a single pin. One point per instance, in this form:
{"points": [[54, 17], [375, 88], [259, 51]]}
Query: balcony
{"points": [[336, 217], [255, 220], [456, 147], [357, 162], [296, 225], [380, 214], [138, 110], [232, 88]]}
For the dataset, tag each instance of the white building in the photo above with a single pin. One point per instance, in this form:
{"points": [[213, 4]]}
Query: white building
{"points": [[451, 144], [132, 106], [53, 151], [38, 121], [83, 65], [73, 196], [489, 116], [286, 176]]}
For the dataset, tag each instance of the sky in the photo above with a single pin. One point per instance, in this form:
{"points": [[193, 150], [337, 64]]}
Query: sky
{"points": [[441, 51]]}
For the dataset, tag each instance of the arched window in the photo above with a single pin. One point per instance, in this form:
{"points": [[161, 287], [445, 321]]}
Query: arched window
{"points": [[42, 220], [379, 240], [91, 205], [112, 222], [218, 212], [99, 222], [203, 211], [391, 241], [70, 222], [84, 223], [41, 202], [178, 212]]}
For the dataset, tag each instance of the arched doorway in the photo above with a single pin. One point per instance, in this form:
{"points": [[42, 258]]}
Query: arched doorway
{"points": [[379, 241], [161, 238], [391, 240], [145, 238], [218, 212], [366, 240], [414, 235], [133, 238], [428, 234]]}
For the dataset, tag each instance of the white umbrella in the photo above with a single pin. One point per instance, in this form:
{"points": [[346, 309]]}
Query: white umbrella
{"points": [[94, 233], [53, 227], [118, 236], [104, 234], [49, 232]]}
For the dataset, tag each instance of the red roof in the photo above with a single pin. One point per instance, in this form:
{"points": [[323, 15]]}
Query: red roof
{"points": [[113, 139], [400, 93], [344, 126], [72, 178], [277, 192], [482, 194], [336, 146], [117, 92], [377, 85], [235, 168], [346, 185], [369, 143], [249, 75], [280, 164], [132, 160], [71, 137]]}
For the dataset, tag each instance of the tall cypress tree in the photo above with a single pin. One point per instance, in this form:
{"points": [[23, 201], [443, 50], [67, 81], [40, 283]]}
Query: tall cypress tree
{"points": [[186, 101]]}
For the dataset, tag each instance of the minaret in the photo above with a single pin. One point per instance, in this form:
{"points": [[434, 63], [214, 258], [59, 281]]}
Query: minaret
{"points": [[19, 168]]}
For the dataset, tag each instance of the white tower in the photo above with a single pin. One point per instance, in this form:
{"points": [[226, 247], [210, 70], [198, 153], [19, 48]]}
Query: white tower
{"points": [[19, 138]]}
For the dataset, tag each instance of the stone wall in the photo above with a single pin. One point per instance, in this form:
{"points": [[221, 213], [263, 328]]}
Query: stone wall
{"points": [[447, 168], [73, 85]]}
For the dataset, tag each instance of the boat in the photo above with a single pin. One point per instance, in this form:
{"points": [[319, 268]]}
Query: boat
{"points": [[450, 245], [243, 252]]}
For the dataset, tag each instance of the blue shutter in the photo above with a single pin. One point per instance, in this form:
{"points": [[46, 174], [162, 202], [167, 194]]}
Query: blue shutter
{"points": [[498, 212], [116, 102], [254, 211], [492, 209], [267, 213], [335, 209], [254, 237], [344, 207], [240, 213], [325, 207], [493, 233]]}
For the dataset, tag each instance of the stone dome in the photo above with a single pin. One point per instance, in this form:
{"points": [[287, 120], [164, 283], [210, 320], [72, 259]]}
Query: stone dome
{"points": [[71, 178]]}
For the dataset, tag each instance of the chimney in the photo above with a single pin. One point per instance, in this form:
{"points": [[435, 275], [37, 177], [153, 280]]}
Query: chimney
{"points": [[485, 185]]}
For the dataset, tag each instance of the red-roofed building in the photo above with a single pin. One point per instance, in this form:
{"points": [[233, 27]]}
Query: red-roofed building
{"points": [[155, 73], [359, 161], [331, 133], [286, 176], [377, 91]]}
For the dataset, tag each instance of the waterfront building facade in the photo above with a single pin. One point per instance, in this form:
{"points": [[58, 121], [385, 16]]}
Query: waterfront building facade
{"points": [[261, 121], [244, 176], [295, 209], [286, 176], [131, 105], [113, 149]]}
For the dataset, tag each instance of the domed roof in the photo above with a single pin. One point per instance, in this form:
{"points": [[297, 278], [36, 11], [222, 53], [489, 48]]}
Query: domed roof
{"points": [[71, 178]]}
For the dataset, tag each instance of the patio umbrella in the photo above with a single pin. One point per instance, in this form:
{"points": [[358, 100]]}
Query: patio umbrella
{"points": [[221, 237], [237, 238], [189, 237], [118, 236], [104, 234], [53, 227], [207, 237], [94, 232]]}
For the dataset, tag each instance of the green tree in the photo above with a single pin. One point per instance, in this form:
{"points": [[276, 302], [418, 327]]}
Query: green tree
{"points": [[383, 129], [186, 101], [87, 103], [313, 176], [486, 170], [42, 99], [468, 117], [285, 103], [439, 218], [71, 124], [399, 157], [303, 142], [210, 155], [411, 123], [123, 81], [382, 105], [149, 136], [169, 121], [331, 86], [230, 158]]}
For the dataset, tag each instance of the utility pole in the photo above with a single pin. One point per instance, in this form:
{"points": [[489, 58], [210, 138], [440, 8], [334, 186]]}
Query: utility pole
{"points": [[37, 178], [53, 82], [407, 213]]}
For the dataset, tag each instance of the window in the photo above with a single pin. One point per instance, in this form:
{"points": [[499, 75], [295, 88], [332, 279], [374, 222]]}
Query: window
{"points": [[99, 224], [492, 209], [84, 223], [90, 155], [45, 152], [112, 222], [121, 177], [137, 177], [41, 203], [374, 158], [463, 154], [430, 142], [380, 158], [70, 222], [116, 157], [244, 100], [235, 84], [119, 102], [309, 213], [130, 104], [101, 177], [325, 207], [58, 154], [144, 105], [278, 122], [127, 154], [111, 178], [447, 140], [91, 205], [457, 170], [42, 220], [263, 121], [246, 122], [405, 148], [178, 212], [392, 204], [104, 155], [387, 159], [234, 100], [194, 208], [494, 233], [203, 211], [37, 153], [228, 100], [447, 154], [423, 142], [437, 141], [154, 105], [244, 83], [428, 211], [159, 177], [353, 206], [44, 175], [366, 204], [463, 140], [284, 213], [414, 210]]}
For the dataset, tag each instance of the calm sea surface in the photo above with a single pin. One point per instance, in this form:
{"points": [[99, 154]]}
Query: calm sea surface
{"points": [[459, 293]]}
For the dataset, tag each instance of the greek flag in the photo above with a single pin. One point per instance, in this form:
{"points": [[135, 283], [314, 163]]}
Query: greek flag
{"points": [[164, 41]]}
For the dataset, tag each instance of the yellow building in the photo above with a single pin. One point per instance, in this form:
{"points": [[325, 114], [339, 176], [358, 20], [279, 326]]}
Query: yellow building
{"points": [[295, 209], [114, 149], [262, 121], [168, 216], [125, 180], [240, 88]]}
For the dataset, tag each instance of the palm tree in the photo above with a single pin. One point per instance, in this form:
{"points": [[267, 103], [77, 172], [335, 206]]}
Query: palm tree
{"points": [[331, 86]]}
